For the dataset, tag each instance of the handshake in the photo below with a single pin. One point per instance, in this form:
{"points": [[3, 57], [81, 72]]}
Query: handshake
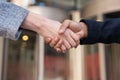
{"points": [[68, 35], [60, 36]]}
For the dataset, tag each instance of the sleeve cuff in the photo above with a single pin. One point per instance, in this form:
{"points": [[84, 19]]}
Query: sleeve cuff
{"points": [[15, 16], [93, 32]]}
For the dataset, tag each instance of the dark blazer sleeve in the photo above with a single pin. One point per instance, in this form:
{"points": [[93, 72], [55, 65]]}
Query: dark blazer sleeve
{"points": [[107, 31]]}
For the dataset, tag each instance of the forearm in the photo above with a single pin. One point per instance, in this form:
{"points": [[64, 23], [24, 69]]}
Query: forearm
{"points": [[39, 24], [102, 32], [33, 22]]}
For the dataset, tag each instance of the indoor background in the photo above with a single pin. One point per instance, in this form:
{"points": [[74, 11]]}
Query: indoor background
{"points": [[29, 58]]}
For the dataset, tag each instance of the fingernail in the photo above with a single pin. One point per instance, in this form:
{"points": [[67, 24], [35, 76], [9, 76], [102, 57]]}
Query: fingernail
{"points": [[74, 44], [58, 50]]}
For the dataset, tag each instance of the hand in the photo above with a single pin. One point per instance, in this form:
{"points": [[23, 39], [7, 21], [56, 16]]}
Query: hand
{"points": [[41, 25], [68, 38], [47, 28], [77, 27], [50, 30]]}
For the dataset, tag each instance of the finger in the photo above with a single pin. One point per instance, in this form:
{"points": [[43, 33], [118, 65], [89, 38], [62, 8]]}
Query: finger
{"points": [[54, 41], [58, 50], [67, 45], [78, 43], [59, 44], [74, 36], [48, 40], [64, 26], [80, 34], [71, 41], [76, 39], [63, 48]]}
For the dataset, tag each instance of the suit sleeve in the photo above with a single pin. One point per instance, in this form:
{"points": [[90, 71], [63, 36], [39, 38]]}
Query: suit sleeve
{"points": [[11, 18], [107, 31]]}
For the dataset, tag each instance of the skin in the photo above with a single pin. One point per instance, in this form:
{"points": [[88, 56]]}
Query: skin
{"points": [[49, 30], [79, 28]]}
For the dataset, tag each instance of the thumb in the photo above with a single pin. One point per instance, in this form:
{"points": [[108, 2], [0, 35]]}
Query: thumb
{"points": [[80, 34], [64, 26]]}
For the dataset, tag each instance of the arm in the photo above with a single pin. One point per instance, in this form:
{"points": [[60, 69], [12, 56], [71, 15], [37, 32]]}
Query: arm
{"points": [[91, 31], [14, 18], [107, 31], [11, 18], [79, 29], [49, 29]]}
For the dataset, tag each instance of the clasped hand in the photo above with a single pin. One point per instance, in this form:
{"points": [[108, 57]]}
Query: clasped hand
{"points": [[60, 36], [68, 35]]}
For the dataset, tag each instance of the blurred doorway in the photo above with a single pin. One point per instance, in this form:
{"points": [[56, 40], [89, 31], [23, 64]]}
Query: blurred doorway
{"points": [[56, 65], [92, 60], [112, 53], [19, 57]]}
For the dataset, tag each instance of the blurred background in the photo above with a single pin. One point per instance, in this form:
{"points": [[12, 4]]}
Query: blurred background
{"points": [[30, 58]]}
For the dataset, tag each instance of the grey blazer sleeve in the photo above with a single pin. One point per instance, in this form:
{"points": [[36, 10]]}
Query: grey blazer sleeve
{"points": [[11, 18]]}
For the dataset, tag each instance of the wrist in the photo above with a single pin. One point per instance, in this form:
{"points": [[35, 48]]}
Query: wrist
{"points": [[85, 29], [33, 22]]}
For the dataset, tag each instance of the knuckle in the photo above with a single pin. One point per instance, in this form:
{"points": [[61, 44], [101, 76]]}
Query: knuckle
{"points": [[74, 44]]}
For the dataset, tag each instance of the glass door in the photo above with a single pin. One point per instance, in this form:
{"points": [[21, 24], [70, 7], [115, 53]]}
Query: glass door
{"points": [[92, 64], [92, 60], [112, 53], [56, 65], [19, 59]]}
